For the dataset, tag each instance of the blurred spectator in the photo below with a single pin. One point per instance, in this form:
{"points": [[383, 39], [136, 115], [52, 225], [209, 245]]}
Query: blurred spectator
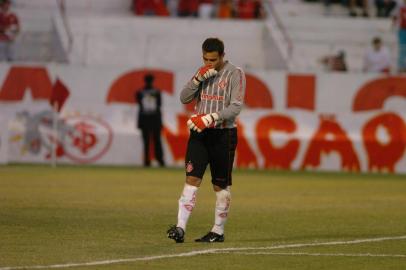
{"points": [[354, 4], [377, 57], [225, 9], [172, 6], [335, 62], [245, 9], [188, 8], [384, 7], [206, 9], [399, 20], [9, 29], [249, 9], [259, 11], [150, 7]]}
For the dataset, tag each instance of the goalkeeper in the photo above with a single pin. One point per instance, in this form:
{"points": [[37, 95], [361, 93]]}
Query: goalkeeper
{"points": [[219, 88]]}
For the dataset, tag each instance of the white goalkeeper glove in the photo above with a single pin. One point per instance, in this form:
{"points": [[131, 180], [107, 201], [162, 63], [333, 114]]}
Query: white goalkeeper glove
{"points": [[202, 121], [203, 73]]}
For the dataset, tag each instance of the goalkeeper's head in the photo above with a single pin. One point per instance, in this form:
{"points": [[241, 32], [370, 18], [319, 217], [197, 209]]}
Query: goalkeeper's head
{"points": [[213, 52]]}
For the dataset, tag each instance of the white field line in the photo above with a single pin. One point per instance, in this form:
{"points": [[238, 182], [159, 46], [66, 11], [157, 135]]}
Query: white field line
{"points": [[317, 254], [207, 251]]}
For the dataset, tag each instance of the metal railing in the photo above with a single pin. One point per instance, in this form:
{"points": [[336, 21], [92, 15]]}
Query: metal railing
{"points": [[65, 20], [285, 42]]}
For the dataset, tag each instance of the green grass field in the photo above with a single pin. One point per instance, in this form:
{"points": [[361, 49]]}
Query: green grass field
{"points": [[116, 218]]}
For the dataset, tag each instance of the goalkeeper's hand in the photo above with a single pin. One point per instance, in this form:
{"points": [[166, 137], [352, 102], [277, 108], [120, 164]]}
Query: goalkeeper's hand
{"points": [[203, 73], [202, 121]]}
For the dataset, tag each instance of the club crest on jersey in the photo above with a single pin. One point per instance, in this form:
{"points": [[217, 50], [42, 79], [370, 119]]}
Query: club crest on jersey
{"points": [[189, 167], [222, 84]]}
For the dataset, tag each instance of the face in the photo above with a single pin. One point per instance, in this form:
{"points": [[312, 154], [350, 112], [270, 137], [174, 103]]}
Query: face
{"points": [[213, 59]]}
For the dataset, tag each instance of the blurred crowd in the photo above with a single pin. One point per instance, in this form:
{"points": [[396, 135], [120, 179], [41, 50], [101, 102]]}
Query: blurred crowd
{"points": [[222, 9], [9, 29], [377, 57], [364, 8]]}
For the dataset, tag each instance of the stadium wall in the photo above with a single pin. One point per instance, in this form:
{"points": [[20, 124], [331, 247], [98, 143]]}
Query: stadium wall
{"points": [[315, 121], [163, 42]]}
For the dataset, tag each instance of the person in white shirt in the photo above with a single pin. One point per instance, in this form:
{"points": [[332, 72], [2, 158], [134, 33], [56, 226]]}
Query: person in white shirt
{"points": [[377, 58]]}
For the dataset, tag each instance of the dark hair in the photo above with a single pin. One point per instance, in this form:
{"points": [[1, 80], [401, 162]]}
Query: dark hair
{"points": [[376, 40], [213, 45], [149, 78]]}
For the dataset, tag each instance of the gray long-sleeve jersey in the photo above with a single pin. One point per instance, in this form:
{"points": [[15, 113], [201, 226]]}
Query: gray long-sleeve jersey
{"points": [[223, 93]]}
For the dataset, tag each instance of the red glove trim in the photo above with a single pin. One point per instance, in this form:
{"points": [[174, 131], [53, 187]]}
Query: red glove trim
{"points": [[197, 120], [203, 70]]}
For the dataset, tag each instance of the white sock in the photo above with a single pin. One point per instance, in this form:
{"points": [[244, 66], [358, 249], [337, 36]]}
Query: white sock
{"points": [[187, 202], [221, 212]]}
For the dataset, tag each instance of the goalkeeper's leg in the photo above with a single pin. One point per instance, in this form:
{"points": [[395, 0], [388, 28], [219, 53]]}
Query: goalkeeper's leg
{"points": [[221, 165], [223, 199], [196, 161], [195, 165], [187, 202]]}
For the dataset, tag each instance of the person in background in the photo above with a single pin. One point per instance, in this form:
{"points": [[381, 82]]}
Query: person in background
{"points": [[225, 9], [384, 7], [172, 6], [150, 8], [150, 119], [399, 22], [363, 4], [206, 9], [377, 57], [335, 62], [188, 8], [259, 10], [245, 9], [9, 29], [250, 9]]}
